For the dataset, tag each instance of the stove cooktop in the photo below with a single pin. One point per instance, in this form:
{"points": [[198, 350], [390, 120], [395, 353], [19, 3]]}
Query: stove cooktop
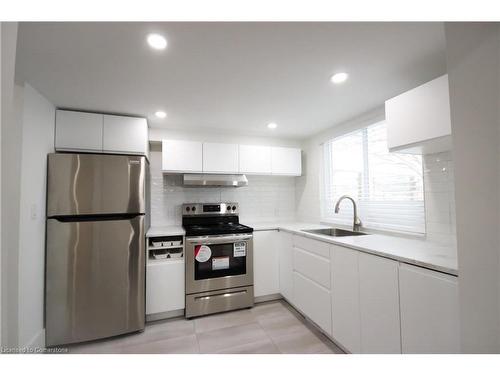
{"points": [[216, 229]]}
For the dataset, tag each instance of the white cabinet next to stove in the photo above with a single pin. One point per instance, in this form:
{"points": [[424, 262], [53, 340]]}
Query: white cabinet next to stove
{"points": [[266, 263], [165, 290]]}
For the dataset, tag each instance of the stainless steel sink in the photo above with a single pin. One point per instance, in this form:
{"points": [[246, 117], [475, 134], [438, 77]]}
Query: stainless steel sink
{"points": [[334, 232]]}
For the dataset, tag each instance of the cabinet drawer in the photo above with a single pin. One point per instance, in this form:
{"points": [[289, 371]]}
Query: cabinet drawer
{"points": [[314, 301], [312, 266], [314, 246]]}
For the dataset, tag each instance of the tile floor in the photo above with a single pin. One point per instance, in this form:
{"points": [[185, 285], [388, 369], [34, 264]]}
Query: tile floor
{"points": [[271, 327]]}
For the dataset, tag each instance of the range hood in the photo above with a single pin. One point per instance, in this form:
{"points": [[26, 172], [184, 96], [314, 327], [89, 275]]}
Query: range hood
{"points": [[215, 180]]}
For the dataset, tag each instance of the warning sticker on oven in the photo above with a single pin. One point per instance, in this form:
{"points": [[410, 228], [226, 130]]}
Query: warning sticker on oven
{"points": [[220, 263], [240, 249], [202, 253]]}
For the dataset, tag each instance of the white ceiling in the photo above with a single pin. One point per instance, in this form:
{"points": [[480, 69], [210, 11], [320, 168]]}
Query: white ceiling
{"points": [[230, 76]]}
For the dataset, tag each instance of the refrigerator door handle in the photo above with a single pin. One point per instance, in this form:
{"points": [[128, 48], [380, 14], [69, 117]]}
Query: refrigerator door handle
{"points": [[104, 217]]}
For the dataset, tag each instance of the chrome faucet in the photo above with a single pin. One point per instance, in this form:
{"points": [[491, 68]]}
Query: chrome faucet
{"points": [[356, 225]]}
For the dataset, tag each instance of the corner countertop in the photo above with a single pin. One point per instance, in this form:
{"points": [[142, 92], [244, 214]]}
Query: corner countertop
{"points": [[406, 250], [417, 252]]}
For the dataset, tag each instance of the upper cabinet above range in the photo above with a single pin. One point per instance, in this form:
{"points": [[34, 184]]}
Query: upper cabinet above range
{"points": [[418, 121], [179, 156], [96, 132], [182, 156]]}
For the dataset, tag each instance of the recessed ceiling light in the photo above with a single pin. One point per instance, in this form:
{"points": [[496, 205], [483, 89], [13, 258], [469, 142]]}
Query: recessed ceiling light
{"points": [[272, 125], [339, 77], [157, 41], [160, 114]]}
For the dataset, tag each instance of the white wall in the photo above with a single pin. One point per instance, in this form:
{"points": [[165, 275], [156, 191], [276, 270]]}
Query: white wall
{"points": [[11, 102], [473, 72], [157, 134], [37, 142], [266, 198], [308, 186]]}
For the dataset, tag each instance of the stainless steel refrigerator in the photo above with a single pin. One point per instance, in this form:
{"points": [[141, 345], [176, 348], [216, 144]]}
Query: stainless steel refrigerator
{"points": [[95, 250]]}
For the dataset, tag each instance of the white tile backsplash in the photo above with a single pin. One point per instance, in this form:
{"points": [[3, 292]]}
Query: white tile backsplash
{"points": [[266, 198], [439, 190]]}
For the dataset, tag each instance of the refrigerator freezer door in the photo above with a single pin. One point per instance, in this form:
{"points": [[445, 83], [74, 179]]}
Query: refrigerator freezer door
{"points": [[87, 184], [95, 279]]}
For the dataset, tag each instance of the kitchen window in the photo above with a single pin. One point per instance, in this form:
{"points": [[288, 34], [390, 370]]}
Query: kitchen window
{"points": [[388, 187]]}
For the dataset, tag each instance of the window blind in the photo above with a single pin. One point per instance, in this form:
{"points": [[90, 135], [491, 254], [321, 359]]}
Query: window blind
{"points": [[388, 187]]}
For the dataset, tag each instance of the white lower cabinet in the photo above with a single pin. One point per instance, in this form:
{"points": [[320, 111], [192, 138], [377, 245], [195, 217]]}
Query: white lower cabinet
{"points": [[285, 260], [266, 262], [165, 287], [379, 304], [346, 324], [313, 300], [429, 311]]}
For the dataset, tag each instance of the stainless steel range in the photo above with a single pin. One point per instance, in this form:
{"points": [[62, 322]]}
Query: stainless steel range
{"points": [[219, 259]]}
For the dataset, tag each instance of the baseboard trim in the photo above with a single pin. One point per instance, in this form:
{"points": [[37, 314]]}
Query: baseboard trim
{"points": [[268, 297], [164, 315]]}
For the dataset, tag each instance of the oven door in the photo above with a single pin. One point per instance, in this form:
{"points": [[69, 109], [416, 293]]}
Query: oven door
{"points": [[218, 262]]}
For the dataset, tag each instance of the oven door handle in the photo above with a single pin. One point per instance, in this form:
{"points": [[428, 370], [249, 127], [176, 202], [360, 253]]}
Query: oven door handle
{"points": [[218, 239]]}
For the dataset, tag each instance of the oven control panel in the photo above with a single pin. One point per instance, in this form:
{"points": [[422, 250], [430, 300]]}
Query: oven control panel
{"points": [[192, 209]]}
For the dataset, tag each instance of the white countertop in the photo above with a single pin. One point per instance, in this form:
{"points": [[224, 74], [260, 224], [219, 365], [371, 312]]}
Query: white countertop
{"points": [[406, 250], [169, 230]]}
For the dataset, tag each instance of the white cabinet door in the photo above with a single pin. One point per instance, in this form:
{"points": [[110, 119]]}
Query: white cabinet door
{"points": [[419, 115], [429, 311], [346, 324], [128, 135], [220, 158], [286, 161], [314, 301], [285, 247], [78, 131], [379, 305], [266, 262], [165, 290], [182, 156], [255, 159]]}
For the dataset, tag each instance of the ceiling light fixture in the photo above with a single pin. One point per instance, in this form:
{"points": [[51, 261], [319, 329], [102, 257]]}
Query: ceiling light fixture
{"points": [[157, 41], [339, 78], [160, 114], [272, 125]]}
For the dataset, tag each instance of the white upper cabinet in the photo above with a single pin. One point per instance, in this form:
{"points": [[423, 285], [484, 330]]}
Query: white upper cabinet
{"points": [[78, 131], [429, 311], [255, 159], [128, 135], [182, 156], [227, 158], [220, 158], [418, 121], [95, 132], [379, 305], [286, 161]]}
